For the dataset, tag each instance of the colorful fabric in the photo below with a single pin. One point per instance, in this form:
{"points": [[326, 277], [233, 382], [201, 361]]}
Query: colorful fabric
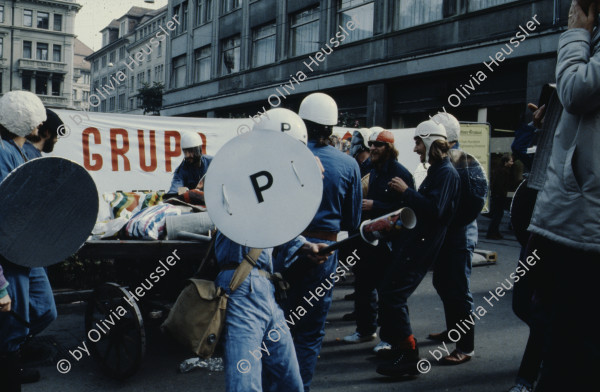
{"points": [[127, 204], [150, 223]]}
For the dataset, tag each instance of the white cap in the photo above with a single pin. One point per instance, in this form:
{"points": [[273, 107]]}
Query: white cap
{"points": [[319, 108], [430, 131], [283, 120], [450, 123], [190, 140], [21, 112]]}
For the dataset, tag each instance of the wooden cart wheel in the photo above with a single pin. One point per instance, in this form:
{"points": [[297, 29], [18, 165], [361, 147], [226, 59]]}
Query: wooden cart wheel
{"points": [[115, 330]]}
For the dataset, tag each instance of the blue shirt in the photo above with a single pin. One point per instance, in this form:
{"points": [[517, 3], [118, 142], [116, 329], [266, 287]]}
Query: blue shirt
{"points": [[31, 151], [188, 176], [341, 204], [11, 157], [229, 252], [384, 199]]}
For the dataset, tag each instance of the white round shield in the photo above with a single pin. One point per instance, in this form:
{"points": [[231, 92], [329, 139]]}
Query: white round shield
{"points": [[263, 188], [48, 208]]}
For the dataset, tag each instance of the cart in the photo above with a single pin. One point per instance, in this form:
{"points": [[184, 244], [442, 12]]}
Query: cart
{"points": [[114, 317]]}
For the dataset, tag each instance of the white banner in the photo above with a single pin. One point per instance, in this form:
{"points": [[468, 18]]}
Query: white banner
{"points": [[133, 152]]}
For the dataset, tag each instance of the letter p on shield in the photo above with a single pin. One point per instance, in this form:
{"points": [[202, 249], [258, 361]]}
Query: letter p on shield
{"points": [[258, 189]]}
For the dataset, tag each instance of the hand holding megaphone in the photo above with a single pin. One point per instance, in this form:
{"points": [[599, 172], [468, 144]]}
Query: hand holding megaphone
{"points": [[373, 230]]}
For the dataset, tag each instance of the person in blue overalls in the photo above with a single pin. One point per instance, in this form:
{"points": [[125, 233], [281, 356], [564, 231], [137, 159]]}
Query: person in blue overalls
{"points": [[194, 166], [413, 253], [340, 209], [21, 114]]}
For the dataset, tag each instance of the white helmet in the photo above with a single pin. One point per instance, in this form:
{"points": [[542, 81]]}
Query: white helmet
{"points": [[283, 120], [319, 108], [430, 131], [21, 112], [190, 140], [450, 123]]}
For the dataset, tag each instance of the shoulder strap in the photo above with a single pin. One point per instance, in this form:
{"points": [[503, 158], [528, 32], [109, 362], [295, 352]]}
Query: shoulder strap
{"points": [[243, 270]]}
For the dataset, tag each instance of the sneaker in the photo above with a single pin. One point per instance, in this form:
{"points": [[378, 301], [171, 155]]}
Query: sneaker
{"points": [[382, 346], [358, 338], [520, 388], [404, 365]]}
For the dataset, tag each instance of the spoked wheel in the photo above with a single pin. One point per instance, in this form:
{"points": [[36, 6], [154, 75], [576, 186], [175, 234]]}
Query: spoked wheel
{"points": [[115, 330]]}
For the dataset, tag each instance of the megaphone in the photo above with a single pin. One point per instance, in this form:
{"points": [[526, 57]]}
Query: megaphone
{"points": [[373, 230]]}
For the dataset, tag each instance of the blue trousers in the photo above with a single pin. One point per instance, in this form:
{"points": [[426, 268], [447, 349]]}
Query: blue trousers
{"points": [[309, 330], [32, 299], [259, 351], [451, 279]]}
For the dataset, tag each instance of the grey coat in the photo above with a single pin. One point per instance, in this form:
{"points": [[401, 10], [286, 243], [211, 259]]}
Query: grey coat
{"points": [[567, 210]]}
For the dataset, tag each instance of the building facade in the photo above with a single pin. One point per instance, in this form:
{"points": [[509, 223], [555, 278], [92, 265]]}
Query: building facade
{"points": [[37, 48], [117, 74], [386, 62], [81, 76]]}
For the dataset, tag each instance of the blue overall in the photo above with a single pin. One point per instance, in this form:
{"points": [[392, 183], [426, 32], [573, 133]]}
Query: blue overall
{"points": [[340, 209], [31, 151], [188, 176], [259, 351], [28, 288]]}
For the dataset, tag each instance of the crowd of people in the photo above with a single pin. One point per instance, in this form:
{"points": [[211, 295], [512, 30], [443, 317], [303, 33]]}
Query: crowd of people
{"points": [[364, 183]]}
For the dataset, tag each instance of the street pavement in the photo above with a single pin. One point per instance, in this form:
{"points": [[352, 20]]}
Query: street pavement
{"points": [[500, 338]]}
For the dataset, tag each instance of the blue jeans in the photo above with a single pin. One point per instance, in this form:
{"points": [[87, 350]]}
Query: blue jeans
{"points": [[32, 299], [309, 330], [451, 279], [259, 351]]}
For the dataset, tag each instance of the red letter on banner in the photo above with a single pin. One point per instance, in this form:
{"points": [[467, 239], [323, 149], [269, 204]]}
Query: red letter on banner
{"points": [[153, 162], [115, 151], [87, 163], [171, 153]]}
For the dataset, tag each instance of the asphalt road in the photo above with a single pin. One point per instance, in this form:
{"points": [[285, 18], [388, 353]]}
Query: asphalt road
{"points": [[499, 343]]}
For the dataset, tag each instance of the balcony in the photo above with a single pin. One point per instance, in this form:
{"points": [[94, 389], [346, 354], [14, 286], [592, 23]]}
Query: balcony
{"points": [[54, 101], [42, 65]]}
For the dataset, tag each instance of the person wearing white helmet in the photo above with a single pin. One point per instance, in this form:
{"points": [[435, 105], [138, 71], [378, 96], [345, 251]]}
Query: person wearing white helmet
{"points": [[452, 268], [194, 166], [25, 291], [413, 253], [283, 120], [340, 210]]}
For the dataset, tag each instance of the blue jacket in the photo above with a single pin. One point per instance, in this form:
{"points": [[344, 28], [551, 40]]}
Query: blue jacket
{"points": [[188, 176], [365, 167], [229, 252], [342, 192], [31, 151], [10, 157], [434, 205], [384, 199]]}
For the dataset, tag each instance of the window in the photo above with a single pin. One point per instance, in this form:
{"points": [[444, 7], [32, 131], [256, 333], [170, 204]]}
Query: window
{"points": [[132, 84], [362, 12], [86, 78], [1, 47], [74, 95], [203, 11], [202, 62], [111, 104], [159, 49], [122, 102], [179, 71], [230, 5], [131, 104], [181, 11], [103, 60], [27, 49], [1, 14], [475, 5], [105, 38], [411, 13], [41, 51], [304, 34], [96, 63], [56, 53], [121, 53], [263, 45], [149, 76], [149, 56], [123, 28], [85, 96], [56, 81], [230, 55], [57, 22], [43, 20], [26, 82], [96, 85], [103, 106], [140, 80], [28, 18], [111, 57], [41, 85]]}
